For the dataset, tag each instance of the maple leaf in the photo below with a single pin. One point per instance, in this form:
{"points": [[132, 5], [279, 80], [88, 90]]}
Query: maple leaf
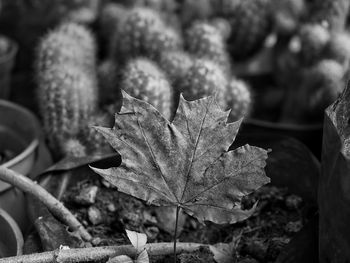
{"points": [[186, 162]]}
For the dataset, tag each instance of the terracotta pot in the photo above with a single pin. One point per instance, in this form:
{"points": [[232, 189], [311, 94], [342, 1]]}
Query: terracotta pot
{"points": [[11, 239], [19, 134], [7, 62]]}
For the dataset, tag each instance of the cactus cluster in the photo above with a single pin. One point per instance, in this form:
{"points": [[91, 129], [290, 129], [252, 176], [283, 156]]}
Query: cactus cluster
{"points": [[67, 81]]}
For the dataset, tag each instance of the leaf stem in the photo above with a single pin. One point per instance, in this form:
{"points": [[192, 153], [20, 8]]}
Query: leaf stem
{"points": [[101, 254], [175, 232], [56, 207]]}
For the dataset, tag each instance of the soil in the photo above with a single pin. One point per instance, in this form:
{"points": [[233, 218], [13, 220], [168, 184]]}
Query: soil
{"points": [[106, 213]]}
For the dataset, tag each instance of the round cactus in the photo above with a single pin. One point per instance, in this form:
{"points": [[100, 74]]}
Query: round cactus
{"points": [[175, 64], [238, 99], [144, 80], [338, 47], [313, 40], [204, 78], [67, 98], [66, 82], [94, 141], [223, 26], [251, 24], [136, 30], [331, 13], [205, 41], [163, 41], [73, 148], [67, 44]]}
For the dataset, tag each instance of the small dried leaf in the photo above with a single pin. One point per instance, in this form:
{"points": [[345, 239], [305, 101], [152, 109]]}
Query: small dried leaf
{"points": [[223, 253], [143, 257], [138, 240], [185, 163], [120, 259]]}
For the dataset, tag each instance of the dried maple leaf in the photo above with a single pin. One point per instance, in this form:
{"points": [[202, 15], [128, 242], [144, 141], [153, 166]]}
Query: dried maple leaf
{"points": [[184, 163]]}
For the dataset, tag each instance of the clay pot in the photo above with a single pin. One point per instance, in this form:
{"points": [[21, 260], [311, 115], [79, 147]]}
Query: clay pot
{"points": [[19, 139], [11, 239]]}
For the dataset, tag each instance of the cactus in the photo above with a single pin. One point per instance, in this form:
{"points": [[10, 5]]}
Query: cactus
{"points": [[66, 82], [338, 48], [205, 41], [73, 148], [143, 33], [204, 78], [163, 41], [238, 99], [175, 64], [331, 13], [94, 141], [144, 80], [251, 24], [223, 26], [313, 40], [66, 99], [67, 44], [191, 10]]}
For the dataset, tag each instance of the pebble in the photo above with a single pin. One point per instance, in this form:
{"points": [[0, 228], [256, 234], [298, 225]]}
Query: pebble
{"points": [[111, 207], [293, 202], [87, 196], [96, 241], [94, 215], [293, 227]]}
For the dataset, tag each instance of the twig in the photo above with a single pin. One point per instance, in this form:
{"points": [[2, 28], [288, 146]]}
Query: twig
{"points": [[55, 206], [100, 253]]}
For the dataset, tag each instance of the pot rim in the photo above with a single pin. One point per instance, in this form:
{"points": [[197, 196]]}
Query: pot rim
{"points": [[284, 126], [33, 145], [16, 231], [11, 53]]}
